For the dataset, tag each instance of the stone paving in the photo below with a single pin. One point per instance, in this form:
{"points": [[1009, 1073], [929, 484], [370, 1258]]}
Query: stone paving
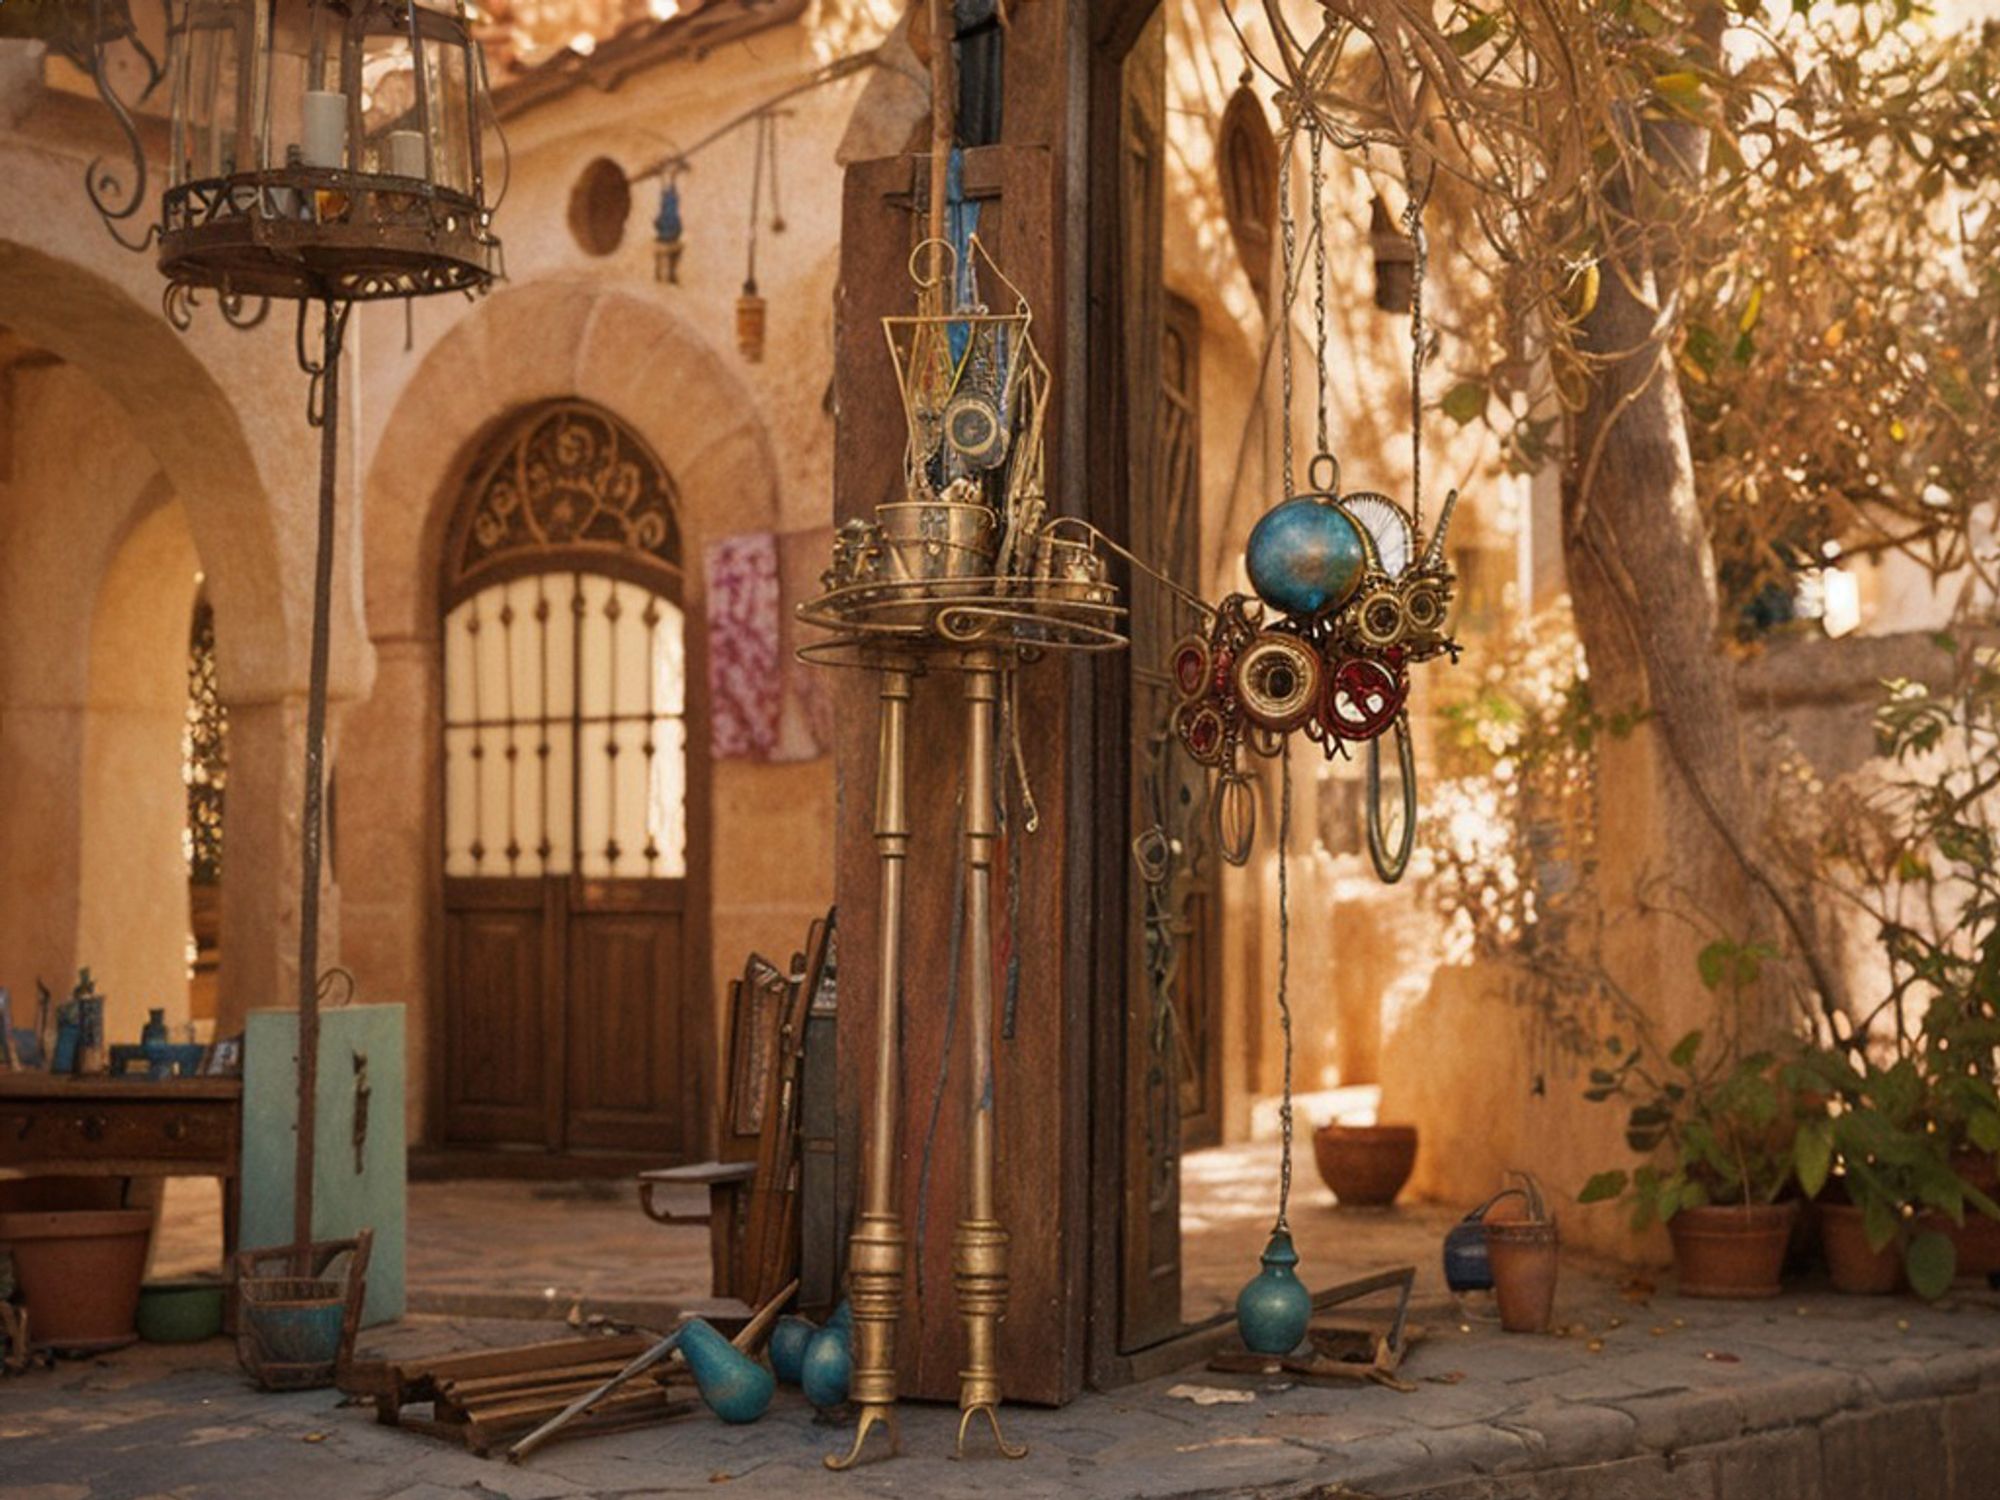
{"points": [[510, 1249], [1814, 1395]]}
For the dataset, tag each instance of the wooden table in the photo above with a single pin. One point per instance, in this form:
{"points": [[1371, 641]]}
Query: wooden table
{"points": [[125, 1127]]}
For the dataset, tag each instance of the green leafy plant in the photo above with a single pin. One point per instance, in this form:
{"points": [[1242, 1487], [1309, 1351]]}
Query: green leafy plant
{"points": [[1718, 1121], [1880, 1141]]}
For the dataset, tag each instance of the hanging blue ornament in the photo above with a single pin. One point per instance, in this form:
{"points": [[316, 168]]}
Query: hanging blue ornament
{"points": [[1274, 1307], [1306, 556], [667, 236]]}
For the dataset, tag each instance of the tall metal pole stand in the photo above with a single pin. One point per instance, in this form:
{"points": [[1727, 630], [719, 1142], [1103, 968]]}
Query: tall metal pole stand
{"points": [[979, 1249], [875, 1249]]}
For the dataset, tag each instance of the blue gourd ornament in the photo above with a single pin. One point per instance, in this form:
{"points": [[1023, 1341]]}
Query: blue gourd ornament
{"points": [[1274, 1307], [735, 1387], [828, 1366], [788, 1346]]}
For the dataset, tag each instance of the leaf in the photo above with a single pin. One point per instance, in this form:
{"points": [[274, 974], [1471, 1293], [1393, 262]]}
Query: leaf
{"points": [[1984, 1131], [1930, 1261], [1603, 1186], [1812, 1154], [1685, 1049], [1753, 310], [1475, 34], [1879, 1220], [1465, 402]]}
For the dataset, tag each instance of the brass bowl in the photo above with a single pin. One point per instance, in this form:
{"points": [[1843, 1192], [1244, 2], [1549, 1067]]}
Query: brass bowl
{"points": [[937, 541]]}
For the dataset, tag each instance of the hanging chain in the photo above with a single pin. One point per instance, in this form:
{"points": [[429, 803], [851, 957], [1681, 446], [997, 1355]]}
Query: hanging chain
{"points": [[757, 155], [1284, 982], [1324, 443], [1289, 237], [1413, 225]]}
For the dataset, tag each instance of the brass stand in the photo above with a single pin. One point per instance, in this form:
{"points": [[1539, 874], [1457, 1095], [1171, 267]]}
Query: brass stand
{"points": [[979, 1248], [981, 627], [875, 1249]]}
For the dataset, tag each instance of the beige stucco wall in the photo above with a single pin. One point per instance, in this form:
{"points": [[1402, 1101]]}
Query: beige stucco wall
{"points": [[132, 919]]}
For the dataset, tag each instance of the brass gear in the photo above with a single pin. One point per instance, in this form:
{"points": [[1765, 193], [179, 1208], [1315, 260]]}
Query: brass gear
{"points": [[1380, 618], [1277, 680]]}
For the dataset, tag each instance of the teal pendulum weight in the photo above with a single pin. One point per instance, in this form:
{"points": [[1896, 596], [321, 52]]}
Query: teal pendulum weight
{"points": [[1274, 1307]]}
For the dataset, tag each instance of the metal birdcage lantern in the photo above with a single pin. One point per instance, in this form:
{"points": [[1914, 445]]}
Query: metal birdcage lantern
{"points": [[326, 149]]}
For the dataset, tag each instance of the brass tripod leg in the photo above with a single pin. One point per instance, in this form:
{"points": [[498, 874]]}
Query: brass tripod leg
{"points": [[875, 1249], [979, 1248]]}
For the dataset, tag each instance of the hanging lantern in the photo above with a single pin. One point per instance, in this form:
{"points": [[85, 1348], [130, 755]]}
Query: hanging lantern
{"points": [[667, 239], [326, 149], [750, 323]]}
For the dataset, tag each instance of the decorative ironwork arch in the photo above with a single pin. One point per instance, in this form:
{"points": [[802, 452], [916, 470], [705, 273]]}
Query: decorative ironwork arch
{"points": [[566, 484]]}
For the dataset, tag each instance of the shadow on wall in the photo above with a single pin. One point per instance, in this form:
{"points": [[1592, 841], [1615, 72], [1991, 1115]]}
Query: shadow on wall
{"points": [[1463, 1063]]}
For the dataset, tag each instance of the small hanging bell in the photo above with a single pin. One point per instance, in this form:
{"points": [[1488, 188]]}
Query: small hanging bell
{"points": [[1274, 1307], [750, 324], [667, 241]]}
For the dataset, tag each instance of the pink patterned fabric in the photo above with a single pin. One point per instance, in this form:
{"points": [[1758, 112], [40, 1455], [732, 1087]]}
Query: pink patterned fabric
{"points": [[745, 668]]}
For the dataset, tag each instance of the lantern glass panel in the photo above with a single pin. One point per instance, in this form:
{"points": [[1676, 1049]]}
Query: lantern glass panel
{"points": [[450, 115], [211, 82], [392, 127]]}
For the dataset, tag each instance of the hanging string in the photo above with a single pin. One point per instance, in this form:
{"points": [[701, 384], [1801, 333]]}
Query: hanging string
{"points": [[1315, 140], [1413, 225], [770, 126], [756, 199], [1284, 982], [1289, 237]]}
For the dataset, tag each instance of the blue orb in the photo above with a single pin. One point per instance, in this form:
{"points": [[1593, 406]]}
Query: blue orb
{"points": [[1305, 556]]}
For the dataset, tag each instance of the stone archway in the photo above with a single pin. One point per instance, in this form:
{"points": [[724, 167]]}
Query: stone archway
{"points": [[221, 414], [549, 341]]}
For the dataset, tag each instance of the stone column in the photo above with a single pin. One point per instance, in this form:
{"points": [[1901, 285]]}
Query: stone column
{"points": [[386, 842], [260, 863]]}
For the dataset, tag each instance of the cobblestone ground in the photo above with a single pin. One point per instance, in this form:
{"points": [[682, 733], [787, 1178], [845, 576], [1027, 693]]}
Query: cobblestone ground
{"points": [[1811, 1396]]}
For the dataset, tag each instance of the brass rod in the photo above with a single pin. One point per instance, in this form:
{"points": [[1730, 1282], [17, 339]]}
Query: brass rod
{"points": [[876, 1248], [944, 123], [980, 1246]]}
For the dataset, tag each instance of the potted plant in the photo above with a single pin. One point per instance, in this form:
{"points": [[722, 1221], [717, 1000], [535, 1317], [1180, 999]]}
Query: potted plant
{"points": [[1720, 1123], [1905, 1154], [1882, 1171]]}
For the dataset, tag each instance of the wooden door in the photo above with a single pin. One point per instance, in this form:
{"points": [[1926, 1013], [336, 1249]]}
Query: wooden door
{"points": [[1150, 1299], [569, 1021]]}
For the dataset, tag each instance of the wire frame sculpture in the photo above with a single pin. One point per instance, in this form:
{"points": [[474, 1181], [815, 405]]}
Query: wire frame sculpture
{"points": [[966, 573]]}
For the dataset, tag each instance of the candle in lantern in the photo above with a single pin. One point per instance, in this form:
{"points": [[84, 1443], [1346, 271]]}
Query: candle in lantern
{"points": [[326, 128], [406, 153]]}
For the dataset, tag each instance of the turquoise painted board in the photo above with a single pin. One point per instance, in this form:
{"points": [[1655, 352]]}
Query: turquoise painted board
{"points": [[348, 1194]]}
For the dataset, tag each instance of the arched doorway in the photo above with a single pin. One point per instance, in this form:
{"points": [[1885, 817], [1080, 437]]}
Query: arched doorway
{"points": [[574, 770]]}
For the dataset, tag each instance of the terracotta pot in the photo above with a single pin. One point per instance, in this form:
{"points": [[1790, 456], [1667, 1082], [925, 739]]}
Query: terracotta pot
{"points": [[79, 1274], [1523, 1253], [1978, 1238], [1852, 1265], [1733, 1250], [1365, 1165]]}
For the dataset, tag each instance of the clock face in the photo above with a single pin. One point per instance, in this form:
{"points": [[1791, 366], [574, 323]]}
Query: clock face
{"points": [[972, 426]]}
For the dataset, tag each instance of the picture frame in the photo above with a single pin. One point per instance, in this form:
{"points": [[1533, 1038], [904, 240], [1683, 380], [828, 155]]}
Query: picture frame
{"points": [[758, 999], [224, 1058]]}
